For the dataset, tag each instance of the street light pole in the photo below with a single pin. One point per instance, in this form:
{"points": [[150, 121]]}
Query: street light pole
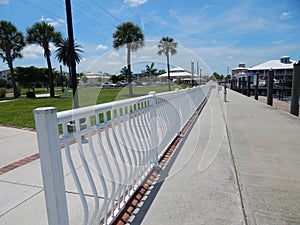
{"points": [[192, 68], [200, 76]]}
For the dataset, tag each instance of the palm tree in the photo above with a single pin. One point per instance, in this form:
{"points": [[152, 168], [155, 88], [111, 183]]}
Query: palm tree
{"points": [[150, 69], [43, 34], [124, 72], [132, 37], [63, 56], [161, 72], [11, 44], [166, 46], [63, 53]]}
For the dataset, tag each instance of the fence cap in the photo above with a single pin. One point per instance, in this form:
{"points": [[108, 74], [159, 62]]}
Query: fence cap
{"points": [[45, 110], [152, 93]]}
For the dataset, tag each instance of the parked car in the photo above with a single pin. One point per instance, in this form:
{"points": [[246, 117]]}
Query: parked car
{"points": [[108, 84], [122, 83]]}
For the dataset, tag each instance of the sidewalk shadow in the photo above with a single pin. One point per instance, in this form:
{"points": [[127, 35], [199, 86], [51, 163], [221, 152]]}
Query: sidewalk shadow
{"points": [[148, 199], [144, 206]]}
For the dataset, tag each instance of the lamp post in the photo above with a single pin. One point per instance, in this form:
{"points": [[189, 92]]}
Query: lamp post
{"points": [[192, 68], [200, 76]]}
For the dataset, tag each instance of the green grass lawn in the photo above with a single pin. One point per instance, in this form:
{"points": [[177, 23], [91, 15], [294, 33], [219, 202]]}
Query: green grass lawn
{"points": [[19, 112]]}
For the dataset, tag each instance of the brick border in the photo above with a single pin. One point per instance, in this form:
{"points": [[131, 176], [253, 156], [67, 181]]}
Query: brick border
{"points": [[23, 161], [19, 163]]}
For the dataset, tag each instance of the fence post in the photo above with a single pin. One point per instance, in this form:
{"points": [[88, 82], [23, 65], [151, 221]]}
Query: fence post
{"points": [[256, 85], [153, 127], [270, 87], [294, 108], [51, 165]]}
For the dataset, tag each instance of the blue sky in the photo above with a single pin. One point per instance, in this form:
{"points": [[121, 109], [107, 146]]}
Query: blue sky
{"points": [[217, 33]]}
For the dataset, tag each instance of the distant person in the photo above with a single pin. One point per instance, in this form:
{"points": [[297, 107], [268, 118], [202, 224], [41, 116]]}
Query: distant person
{"points": [[225, 93]]}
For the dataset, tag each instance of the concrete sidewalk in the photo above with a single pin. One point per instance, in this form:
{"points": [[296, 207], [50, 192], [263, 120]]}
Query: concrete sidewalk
{"points": [[21, 185], [198, 186], [16, 144], [266, 146]]}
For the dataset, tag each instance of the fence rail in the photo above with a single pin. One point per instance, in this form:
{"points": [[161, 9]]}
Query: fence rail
{"points": [[105, 151]]}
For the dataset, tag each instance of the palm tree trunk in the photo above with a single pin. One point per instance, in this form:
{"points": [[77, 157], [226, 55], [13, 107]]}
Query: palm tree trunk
{"points": [[12, 74], [74, 88], [129, 71], [51, 84], [168, 65]]}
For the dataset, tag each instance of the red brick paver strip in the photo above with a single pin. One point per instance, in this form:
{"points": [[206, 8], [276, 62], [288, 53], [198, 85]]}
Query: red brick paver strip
{"points": [[285, 106], [19, 163]]}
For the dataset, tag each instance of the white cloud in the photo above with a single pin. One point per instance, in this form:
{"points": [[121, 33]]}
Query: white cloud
{"points": [[35, 51], [113, 55], [61, 21], [115, 63], [101, 47], [32, 52], [285, 16], [4, 2], [55, 23], [134, 3]]}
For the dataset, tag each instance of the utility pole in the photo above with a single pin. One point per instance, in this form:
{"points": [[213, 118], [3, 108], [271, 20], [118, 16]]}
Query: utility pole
{"points": [[295, 90], [72, 53]]}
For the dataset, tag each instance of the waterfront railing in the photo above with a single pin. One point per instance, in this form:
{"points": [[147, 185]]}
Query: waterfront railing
{"points": [[94, 158]]}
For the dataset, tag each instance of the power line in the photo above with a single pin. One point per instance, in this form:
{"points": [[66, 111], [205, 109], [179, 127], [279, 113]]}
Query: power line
{"points": [[58, 17], [96, 3]]}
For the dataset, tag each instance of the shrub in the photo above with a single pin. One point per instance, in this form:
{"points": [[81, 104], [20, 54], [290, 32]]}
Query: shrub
{"points": [[19, 88], [2, 92], [3, 83]]}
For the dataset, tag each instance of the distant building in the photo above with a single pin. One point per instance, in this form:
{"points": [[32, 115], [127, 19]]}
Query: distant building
{"points": [[283, 68], [4, 74], [241, 70], [93, 79], [179, 73]]}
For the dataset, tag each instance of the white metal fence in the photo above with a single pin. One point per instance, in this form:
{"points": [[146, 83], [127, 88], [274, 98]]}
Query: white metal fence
{"points": [[105, 151]]}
